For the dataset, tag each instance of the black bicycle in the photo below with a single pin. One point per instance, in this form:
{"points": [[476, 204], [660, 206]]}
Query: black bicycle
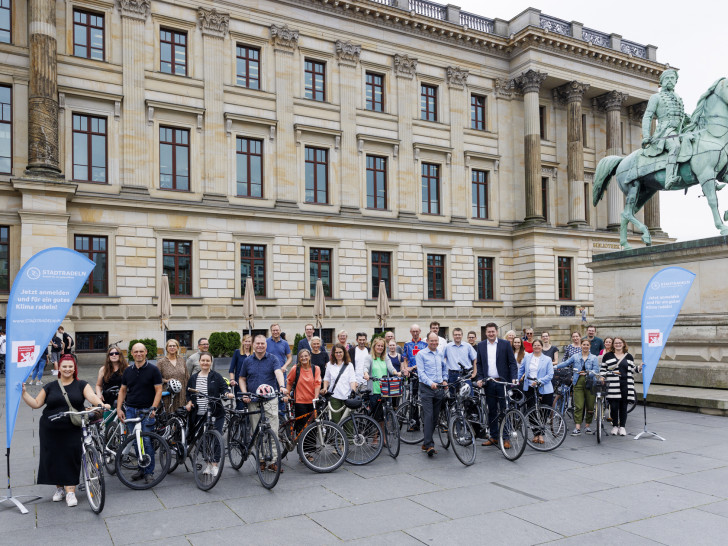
{"points": [[242, 441], [511, 433], [209, 457], [409, 413], [460, 433], [137, 452]]}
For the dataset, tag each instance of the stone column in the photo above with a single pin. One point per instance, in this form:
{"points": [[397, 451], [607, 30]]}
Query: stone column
{"points": [[285, 43], [43, 90], [405, 68], [457, 79], [529, 83], [135, 170], [611, 103], [214, 26], [573, 93], [652, 214], [347, 55]]}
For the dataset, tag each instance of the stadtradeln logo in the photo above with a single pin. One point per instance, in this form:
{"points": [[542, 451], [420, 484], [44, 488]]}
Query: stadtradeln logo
{"points": [[33, 273]]}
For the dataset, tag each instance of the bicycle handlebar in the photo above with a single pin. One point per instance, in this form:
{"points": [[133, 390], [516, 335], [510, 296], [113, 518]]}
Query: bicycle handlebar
{"points": [[67, 413]]}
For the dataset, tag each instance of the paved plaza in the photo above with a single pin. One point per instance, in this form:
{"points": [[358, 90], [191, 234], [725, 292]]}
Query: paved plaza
{"points": [[620, 492]]}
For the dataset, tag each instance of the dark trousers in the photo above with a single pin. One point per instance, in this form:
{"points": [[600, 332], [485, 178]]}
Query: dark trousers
{"points": [[218, 425], [431, 401], [618, 406], [301, 409], [496, 403]]}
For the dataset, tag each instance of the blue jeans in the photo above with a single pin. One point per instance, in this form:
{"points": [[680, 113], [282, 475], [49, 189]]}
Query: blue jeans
{"points": [[147, 426], [37, 373]]}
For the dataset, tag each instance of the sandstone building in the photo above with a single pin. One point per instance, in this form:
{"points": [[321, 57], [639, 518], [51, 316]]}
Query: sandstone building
{"points": [[447, 153]]}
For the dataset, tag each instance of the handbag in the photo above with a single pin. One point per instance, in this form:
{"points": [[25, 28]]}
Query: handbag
{"points": [[75, 419]]}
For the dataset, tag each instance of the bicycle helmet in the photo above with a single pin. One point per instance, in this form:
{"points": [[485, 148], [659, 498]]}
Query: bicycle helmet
{"points": [[265, 391], [175, 385], [464, 391]]}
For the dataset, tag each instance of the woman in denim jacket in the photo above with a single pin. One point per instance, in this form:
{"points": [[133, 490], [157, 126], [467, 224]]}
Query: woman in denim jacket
{"points": [[585, 364]]}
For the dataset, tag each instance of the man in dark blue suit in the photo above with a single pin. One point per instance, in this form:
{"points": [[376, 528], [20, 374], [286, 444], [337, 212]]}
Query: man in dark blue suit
{"points": [[496, 360]]}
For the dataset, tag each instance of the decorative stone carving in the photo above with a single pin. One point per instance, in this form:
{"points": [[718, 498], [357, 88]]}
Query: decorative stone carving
{"points": [[637, 111], [588, 177], [552, 24], [549, 171], [596, 38], [213, 23], [570, 92], [283, 37], [136, 9], [347, 53], [405, 66], [529, 81], [504, 87], [117, 109], [610, 101], [456, 76], [61, 101]]}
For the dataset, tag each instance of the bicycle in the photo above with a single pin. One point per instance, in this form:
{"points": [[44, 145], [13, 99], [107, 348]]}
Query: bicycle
{"points": [[408, 414], [321, 443], [137, 452], [364, 435], [544, 422], [459, 430], [173, 427], [390, 387], [241, 442], [512, 431], [209, 458], [564, 399], [92, 466], [601, 406]]}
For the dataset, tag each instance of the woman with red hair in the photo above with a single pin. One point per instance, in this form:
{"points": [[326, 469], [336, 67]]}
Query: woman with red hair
{"points": [[60, 440]]}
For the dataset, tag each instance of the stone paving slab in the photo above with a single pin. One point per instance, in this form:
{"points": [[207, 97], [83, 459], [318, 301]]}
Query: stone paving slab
{"points": [[625, 492]]}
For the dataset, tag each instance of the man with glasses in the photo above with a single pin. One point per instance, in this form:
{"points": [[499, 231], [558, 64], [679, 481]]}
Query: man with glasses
{"points": [[473, 339], [193, 362], [460, 356]]}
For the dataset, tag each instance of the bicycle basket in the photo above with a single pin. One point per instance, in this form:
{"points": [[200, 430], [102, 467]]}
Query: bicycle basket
{"points": [[391, 386], [563, 376], [599, 386], [353, 403]]}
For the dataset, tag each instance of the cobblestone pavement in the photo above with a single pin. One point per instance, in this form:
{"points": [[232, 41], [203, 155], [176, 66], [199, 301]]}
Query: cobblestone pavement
{"points": [[622, 491]]}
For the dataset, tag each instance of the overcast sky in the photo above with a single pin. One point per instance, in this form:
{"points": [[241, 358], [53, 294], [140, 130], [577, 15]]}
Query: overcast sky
{"points": [[690, 36]]}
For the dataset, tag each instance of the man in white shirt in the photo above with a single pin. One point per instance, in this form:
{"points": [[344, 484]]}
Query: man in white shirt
{"points": [[360, 357], [441, 341]]}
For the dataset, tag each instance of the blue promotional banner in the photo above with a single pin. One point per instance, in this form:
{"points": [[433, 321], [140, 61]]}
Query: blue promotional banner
{"points": [[42, 294], [661, 304]]}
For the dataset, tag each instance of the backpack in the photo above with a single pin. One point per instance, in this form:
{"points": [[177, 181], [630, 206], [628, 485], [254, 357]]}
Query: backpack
{"points": [[298, 374]]}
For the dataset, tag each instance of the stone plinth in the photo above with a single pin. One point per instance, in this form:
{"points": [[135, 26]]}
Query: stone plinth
{"points": [[696, 354]]}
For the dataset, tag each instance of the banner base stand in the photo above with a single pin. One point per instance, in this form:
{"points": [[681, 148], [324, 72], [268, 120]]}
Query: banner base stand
{"points": [[647, 433], [15, 500]]}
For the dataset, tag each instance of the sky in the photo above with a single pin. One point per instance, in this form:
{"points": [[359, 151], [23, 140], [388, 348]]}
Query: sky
{"points": [[690, 36]]}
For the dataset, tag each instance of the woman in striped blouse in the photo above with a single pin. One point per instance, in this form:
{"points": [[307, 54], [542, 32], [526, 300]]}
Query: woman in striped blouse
{"points": [[620, 387]]}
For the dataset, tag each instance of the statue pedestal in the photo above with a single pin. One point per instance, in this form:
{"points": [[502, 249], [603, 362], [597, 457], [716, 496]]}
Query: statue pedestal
{"points": [[694, 365]]}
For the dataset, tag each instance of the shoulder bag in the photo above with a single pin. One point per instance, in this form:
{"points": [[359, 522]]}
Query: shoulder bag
{"points": [[75, 419]]}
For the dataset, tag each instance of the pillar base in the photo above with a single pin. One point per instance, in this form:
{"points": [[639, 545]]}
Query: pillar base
{"points": [[613, 227], [44, 172], [657, 232], [577, 224], [533, 221]]}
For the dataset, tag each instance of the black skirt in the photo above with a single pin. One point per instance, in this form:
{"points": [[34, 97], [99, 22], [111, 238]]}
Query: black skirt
{"points": [[60, 452]]}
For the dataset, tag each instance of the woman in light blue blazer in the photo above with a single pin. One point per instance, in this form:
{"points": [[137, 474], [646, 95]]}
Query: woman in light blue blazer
{"points": [[584, 365], [537, 369]]}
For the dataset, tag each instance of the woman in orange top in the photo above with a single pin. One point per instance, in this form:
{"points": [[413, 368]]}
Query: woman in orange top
{"points": [[304, 386]]}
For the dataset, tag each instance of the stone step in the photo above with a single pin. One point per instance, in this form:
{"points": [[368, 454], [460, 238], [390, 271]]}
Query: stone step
{"points": [[709, 401]]}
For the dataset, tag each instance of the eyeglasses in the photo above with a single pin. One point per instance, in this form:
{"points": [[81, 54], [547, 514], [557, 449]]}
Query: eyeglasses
{"points": [[114, 354]]}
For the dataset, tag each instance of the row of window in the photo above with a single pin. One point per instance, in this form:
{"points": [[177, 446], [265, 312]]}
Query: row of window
{"points": [[177, 265]]}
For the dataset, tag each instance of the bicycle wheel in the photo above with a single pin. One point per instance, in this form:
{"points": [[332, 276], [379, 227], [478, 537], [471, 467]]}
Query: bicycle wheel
{"points": [[174, 439], [442, 426], [236, 450], [365, 439], [391, 433], [112, 441], [512, 434], [631, 404], [322, 446], [599, 417], [268, 459], [548, 425], [93, 478], [131, 467], [209, 460], [462, 439], [410, 431]]}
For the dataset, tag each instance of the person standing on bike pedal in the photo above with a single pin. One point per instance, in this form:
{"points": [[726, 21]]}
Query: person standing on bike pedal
{"points": [[141, 389], [432, 371], [495, 360], [262, 368]]}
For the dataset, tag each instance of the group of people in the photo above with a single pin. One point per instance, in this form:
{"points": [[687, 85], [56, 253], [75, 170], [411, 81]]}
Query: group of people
{"points": [[432, 363]]}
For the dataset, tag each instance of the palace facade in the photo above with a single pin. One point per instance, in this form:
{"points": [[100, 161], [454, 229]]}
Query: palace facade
{"points": [[446, 153]]}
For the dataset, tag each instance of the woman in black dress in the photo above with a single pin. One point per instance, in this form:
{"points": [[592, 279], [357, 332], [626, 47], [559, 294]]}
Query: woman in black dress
{"points": [[110, 374], [60, 440]]}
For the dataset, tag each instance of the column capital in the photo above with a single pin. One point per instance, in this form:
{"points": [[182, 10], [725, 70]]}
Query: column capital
{"points": [[503, 87], [637, 111], [135, 9], [456, 76], [283, 37], [213, 23], [610, 101], [529, 81], [570, 92], [405, 66], [347, 53]]}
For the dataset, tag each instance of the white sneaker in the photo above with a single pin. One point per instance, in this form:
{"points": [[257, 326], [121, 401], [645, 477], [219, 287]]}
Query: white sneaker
{"points": [[615, 431], [71, 499], [39, 382], [215, 470], [622, 431], [59, 494], [207, 470]]}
